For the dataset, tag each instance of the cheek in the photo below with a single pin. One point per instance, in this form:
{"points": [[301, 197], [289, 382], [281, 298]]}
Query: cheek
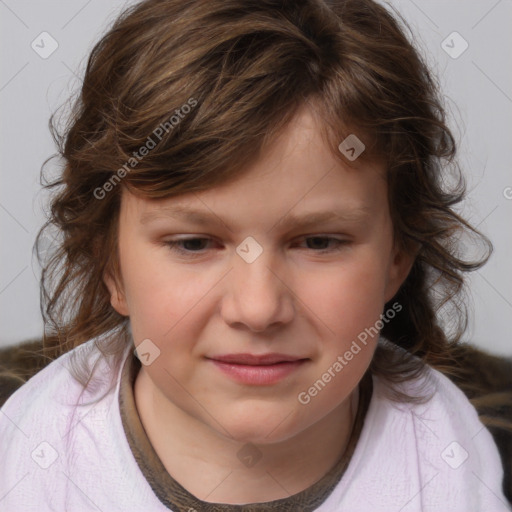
{"points": [[346, 299], [348, 303], [156, 306], [164, 300]]}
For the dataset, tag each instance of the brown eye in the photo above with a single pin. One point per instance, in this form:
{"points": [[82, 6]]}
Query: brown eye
{"points": [[187, 246], [323, 244]]}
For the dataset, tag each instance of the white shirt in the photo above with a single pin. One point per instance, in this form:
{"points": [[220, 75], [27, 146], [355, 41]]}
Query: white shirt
{"points": [[436, 457]]}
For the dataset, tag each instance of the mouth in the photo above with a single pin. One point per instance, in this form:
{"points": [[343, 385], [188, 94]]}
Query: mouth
{"points": [[253, 369]]}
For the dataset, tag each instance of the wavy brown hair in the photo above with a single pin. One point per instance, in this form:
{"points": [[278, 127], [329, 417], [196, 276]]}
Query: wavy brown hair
{"points": [[249, 65]]}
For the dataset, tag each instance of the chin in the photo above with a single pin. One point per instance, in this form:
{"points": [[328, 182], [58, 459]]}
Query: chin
{"points": [[261, 427]]}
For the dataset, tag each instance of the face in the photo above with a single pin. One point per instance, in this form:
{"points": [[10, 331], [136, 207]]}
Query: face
{"points": [[253, 298]]}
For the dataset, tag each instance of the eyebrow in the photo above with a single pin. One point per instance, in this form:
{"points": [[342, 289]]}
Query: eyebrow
{"points": [[205, 219]]}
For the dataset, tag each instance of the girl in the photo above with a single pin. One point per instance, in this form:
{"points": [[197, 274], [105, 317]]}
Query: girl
{"points": [[255, 243]]}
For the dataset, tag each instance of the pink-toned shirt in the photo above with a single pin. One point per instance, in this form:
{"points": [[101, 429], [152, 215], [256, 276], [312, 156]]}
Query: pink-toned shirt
{"points": [[54, 456]]}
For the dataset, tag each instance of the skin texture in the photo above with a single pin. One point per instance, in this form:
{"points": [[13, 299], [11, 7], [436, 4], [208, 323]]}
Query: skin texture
{"points": [[293, 299]]}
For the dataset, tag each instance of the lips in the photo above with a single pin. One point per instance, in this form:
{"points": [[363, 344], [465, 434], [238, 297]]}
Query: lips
{"points": [[258, 370], [256, 360]]}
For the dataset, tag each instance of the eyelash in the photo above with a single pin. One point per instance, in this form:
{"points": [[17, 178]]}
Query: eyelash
{"points": [[174, 245]]}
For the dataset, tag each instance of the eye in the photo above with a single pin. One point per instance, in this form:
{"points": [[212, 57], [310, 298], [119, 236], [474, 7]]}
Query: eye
{"points": [[318, 243], [196, 246], [187, 246]]}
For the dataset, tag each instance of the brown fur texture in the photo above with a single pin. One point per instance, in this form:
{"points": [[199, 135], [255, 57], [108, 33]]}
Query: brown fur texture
{"points": [[487, 382]]}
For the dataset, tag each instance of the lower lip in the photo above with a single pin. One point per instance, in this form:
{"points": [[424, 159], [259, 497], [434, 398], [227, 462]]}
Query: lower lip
{"points": [[261, 375]]}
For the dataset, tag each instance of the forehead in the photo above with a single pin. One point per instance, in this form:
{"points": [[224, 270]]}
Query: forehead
{"points": [[297, 174]]}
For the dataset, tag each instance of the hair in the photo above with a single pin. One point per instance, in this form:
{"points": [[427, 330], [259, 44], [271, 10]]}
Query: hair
{"points": [[244, 68]]}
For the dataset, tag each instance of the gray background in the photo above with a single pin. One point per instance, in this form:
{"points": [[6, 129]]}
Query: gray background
{"points": [[477, 85]]}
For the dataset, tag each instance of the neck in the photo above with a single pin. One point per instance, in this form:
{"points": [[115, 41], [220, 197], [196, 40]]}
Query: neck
{"points": [[218, 469]]}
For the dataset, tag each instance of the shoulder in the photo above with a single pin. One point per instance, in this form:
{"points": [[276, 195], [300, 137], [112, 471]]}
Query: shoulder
{"points": [[442, 424], [452, 452], [38, 433], [455, 451], [47, 401], [449, 417], [435, 455], [440, 404], [56, 384]]}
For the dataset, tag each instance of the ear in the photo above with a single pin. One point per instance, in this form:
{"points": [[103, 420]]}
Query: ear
{"points": [[117, 296], [398, 270]]}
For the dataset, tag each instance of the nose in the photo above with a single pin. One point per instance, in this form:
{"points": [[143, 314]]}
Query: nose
{"points": [[257, 295]]}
